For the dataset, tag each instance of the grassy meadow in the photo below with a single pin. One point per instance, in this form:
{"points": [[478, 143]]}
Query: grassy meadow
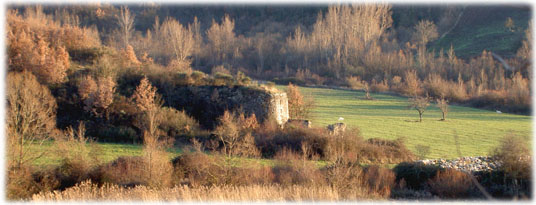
{"points": [[387, 116], [108, 152], [478, 131]]}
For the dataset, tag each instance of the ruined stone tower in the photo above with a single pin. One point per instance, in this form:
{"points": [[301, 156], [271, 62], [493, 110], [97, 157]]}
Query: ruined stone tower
{"points": [[201, 103], [279, 107]]}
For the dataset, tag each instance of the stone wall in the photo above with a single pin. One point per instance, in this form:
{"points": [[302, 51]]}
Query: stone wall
{"points": [[468, 164]]}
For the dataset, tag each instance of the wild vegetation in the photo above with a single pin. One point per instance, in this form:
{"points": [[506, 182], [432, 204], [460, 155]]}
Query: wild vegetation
{"points": [[79, 76]]}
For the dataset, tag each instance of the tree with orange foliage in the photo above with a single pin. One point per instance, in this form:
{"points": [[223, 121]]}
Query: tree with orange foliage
{"points": [[129, 57], [299, 106], [158, 167], [412, 85], [148, 102], [97, 96], [234, 132]]}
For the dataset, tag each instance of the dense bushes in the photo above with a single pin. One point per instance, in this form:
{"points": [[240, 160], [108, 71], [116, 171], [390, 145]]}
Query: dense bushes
{"points": [[513, 179], [177, 123], [317, 142], [452, 184], [200, 169], [348, 178]]}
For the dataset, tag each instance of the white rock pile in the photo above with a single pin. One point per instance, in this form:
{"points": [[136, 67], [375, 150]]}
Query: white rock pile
{"points": [[468, 164]]}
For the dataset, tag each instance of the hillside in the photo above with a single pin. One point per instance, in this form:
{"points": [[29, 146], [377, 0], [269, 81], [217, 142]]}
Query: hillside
{"points": [[483, 28]]}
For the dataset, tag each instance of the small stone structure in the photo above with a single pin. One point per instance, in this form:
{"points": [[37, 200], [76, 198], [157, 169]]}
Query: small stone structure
{"points": [[337, 128], [302, 123]]}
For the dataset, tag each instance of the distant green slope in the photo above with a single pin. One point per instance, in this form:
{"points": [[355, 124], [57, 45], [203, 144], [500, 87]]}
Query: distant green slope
{"points": [[483, 28], [478, 131]]}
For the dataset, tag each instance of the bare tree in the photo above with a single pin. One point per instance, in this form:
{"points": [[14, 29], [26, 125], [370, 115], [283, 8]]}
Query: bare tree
{"points": [[221, 38], [179, 39], [425, 31], [443, 105], [420, 104], [31, 116], [125, 21], [366, 88], [228, 133], [195, 29]]}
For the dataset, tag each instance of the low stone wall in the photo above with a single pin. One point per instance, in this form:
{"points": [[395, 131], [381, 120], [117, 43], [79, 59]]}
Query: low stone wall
{"points": [[468, 164]]}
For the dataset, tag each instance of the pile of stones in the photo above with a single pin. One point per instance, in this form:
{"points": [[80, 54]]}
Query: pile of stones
{"points": [[467, 164]]}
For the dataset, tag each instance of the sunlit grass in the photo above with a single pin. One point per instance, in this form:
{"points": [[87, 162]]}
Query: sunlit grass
{"points": [[478, 131], [108, 152]]}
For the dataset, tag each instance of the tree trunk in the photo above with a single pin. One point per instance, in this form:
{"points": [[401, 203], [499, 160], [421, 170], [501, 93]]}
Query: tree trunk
{"points": [[420, 117]]}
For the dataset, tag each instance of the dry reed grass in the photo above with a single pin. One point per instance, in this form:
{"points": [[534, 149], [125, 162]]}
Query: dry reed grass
{"points": [[87, 191]]}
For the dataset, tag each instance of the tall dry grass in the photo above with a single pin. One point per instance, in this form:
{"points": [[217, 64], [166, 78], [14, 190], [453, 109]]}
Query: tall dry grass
{"points": [[86, 191]]}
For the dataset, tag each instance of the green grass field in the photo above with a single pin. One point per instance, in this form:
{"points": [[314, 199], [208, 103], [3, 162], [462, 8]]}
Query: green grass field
{"points": [[478, 131], [111, 151], [107, 152]]}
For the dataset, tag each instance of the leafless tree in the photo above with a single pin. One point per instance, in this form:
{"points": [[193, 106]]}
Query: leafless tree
{"points": [[125, 21], [31, 116], [222, 39], [178, 38], [420, 104], [443, 105], [425, 31], [366, 88]]}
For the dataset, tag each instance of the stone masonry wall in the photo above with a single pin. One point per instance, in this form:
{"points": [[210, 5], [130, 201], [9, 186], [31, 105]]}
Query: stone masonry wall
{"points": [[207, 103], [279, 107]]}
